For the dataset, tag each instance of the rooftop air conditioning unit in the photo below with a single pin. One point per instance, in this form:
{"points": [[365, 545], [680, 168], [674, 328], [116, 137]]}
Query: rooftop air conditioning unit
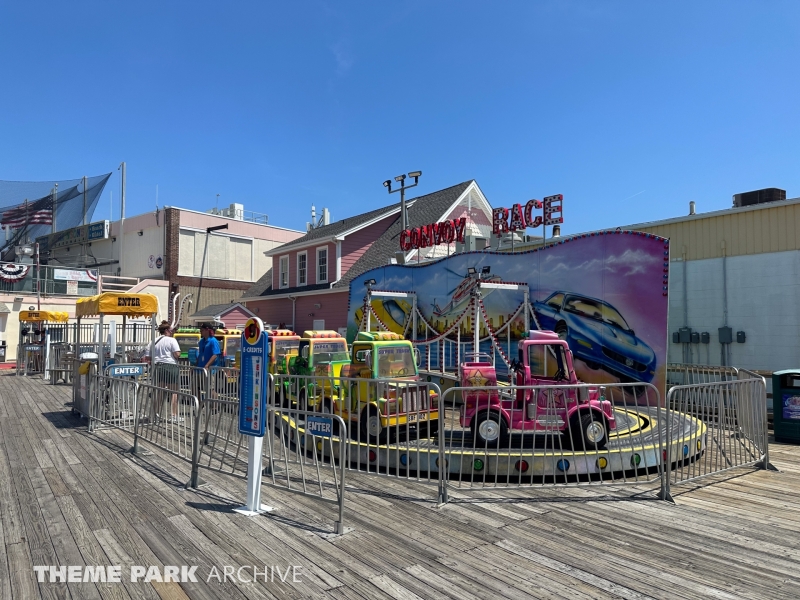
{"points": [[758, 197]]}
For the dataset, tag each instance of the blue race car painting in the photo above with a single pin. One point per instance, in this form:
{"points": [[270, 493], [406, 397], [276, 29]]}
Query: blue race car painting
{"points": [[598, 335]]}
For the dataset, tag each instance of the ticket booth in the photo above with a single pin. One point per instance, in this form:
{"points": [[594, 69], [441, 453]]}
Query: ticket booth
{"points": [[34, 350]]}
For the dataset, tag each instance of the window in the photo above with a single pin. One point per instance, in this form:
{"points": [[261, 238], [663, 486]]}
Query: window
{"points": [[284, 272], [322, 265], [555, 300], [302, 261], [546, 360]]}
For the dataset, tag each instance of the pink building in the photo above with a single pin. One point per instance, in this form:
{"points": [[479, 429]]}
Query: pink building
{"points": [[308, 285]]}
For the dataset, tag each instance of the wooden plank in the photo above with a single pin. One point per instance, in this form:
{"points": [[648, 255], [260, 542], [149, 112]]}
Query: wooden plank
{"points": [[22, 577]]}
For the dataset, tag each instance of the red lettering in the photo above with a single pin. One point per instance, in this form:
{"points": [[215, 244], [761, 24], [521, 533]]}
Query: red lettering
{"points": [[405, 241], [435, 233], [424, 236], [529, 219], [459, 225], [448, 232], [499, 221], [415, 238], [517, 220]]}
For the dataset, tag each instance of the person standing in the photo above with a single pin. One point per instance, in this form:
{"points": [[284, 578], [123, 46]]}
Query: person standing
{"points": [[166, 373], [208, 350]]}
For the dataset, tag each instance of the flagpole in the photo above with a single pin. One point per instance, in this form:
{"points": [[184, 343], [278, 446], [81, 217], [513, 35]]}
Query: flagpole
{"points": [[55, 201]]}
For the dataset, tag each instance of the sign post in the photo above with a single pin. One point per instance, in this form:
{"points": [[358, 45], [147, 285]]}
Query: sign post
{"points": [[253, 391]]}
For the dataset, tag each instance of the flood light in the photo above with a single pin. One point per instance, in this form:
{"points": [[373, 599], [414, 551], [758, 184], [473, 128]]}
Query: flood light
{"points": [[471, 271]]}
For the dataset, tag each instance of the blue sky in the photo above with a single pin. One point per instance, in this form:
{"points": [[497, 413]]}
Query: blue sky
{"points": [[629, 109]]}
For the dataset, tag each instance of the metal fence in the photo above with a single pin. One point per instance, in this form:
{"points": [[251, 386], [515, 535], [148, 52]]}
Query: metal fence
{"points": [[523, 436], [112, 402], [469, 438], [303, 462], [681, 374], [392, 424], [735, 420]]}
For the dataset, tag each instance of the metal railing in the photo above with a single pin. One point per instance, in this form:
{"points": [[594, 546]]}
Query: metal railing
{"points": [[167, 418], [48, 284], [112, 403], [392, 424], [681, 374], [735, 420], [469, 438], [302, 462], [533, 436]]}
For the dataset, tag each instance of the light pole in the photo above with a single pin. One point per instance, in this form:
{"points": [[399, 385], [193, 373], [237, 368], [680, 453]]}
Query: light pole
{"points": [[401, 179]]}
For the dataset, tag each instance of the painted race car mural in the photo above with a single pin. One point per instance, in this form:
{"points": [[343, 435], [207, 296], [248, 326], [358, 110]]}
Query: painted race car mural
{"points": [[605, 293]]}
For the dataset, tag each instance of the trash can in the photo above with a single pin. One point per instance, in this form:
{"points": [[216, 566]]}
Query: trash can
{"points": [[786, 405], [85, 365]]}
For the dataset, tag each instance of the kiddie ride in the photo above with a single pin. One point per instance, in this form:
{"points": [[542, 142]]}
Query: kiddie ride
{"points": [[375, 386], [581, 415], [483, 428]]}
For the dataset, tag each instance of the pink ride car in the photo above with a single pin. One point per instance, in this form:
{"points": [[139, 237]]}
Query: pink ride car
{"points": [[582, 415]]}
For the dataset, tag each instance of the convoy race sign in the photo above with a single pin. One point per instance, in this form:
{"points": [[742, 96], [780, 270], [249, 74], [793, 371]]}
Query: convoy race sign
{"points": [[518, 218], [433, 234]]}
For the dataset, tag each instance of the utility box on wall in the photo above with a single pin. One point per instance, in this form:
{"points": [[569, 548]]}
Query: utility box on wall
{"points": [[695, 337], [725, 335], [685, 335], [740, 337], [705, 337]]}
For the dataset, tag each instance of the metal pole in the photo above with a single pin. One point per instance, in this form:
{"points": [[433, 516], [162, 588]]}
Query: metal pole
{"points": [[476, 328], [122, 219], [404, 217], [84, 199], [38, 279], [55, 203]]}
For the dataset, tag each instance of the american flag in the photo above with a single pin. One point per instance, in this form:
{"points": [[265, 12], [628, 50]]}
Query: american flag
{"points": [[39, 212]]}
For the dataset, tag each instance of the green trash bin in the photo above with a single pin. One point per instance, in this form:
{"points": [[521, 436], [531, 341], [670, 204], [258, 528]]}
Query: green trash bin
{"points": [[786, 405]]}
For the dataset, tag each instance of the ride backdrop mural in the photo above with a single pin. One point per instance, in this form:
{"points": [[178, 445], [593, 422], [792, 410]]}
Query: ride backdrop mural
{"points": [[605, 292]]}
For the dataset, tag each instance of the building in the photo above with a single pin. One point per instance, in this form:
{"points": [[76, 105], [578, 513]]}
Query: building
{"points": [[234, 315], [215, 257], [308, 285], [737, 268]]}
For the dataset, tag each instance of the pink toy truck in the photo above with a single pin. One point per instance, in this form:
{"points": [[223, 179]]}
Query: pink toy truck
{"points": [[582, 415]]}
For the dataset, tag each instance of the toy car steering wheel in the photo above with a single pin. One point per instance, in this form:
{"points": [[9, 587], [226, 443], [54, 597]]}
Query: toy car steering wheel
{"points": [[560, 375]]}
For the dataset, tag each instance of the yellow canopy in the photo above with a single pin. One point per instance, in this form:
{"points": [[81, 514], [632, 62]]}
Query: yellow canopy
{"points": [[43, 315], [117, 303]]}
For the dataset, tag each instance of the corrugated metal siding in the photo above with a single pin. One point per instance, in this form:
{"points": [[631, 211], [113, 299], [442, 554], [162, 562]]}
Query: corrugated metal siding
{"points": [[769, 229]]}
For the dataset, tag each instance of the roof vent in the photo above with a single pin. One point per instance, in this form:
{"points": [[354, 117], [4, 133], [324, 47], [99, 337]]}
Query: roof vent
{"points": [[758, 197]]}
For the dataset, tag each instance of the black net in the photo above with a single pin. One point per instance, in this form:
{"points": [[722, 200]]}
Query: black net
{"points": [[32, 219]]}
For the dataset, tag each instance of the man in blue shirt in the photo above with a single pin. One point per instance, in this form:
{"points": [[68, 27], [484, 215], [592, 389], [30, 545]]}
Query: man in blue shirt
{"points": [[208, 349]]}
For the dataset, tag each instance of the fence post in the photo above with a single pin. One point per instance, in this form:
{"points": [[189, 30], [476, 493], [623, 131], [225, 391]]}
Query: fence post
{"points": [[135, 449], [443, 466], [764, 462], [666, 452], [194, 478]]}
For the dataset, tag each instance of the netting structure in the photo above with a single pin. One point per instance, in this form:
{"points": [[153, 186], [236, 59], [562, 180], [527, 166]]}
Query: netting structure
{"points": [[27, 206]]}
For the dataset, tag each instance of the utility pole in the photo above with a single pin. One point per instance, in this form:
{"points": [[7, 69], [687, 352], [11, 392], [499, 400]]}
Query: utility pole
{"points": [[121, 233]]}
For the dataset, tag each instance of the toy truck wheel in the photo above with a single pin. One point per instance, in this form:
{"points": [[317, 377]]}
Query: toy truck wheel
{"points": [[489, 430], [589, 432], [370, 424]]}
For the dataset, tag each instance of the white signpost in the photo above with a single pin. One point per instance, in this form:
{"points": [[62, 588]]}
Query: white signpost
{"points": [[253, 391]]}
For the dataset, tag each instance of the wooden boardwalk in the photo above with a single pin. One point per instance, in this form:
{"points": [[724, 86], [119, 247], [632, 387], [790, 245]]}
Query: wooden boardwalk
{"points": [[71, 498]]}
